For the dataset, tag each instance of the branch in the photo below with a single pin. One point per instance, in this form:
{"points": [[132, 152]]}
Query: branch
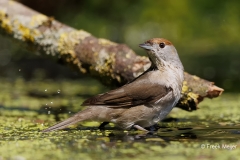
{"points": [[111, 63]]}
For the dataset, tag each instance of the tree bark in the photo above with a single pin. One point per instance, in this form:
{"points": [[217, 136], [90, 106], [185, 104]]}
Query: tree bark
{"points": [[113, 64]]}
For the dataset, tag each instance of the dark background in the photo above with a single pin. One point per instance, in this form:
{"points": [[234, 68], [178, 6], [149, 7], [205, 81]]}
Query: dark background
{"points": [[205, 33]]}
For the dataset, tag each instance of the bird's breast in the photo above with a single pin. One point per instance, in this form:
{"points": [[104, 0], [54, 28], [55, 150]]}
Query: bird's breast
{"points": [[172, 77]]}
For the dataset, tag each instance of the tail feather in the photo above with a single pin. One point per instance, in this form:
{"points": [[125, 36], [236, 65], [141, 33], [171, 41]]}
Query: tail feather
{"points": [[62, 125], [80, 116]]}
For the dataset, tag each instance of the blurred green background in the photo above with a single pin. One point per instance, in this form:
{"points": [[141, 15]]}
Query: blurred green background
{"points": [[205, 33]]}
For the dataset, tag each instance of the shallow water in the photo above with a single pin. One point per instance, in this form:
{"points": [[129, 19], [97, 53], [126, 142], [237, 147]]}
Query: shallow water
{"points": [[27, 107]]}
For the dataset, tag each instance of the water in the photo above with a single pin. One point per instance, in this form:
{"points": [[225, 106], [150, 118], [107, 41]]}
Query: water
{"points": [[212, 132]]}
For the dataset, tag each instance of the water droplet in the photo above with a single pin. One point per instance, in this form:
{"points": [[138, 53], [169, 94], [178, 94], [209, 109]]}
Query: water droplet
{"points": [[49, 112], [19, 70], [45, 90]]}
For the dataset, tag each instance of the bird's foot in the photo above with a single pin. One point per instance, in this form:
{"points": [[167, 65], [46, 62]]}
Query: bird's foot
{"points": [[102, 125], [153, 128]]}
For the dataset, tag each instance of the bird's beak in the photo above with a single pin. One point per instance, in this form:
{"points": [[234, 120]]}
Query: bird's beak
{"points": [[146, 46]]}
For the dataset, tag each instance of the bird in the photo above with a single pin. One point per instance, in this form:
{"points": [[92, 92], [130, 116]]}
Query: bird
{"points": [[142, 102]]}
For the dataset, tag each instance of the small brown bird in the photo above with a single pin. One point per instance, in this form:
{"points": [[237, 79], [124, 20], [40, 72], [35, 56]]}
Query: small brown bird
{"points": [[144, 101]]}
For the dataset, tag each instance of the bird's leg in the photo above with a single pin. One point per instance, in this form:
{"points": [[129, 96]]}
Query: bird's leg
{"points": [[140, 128], [102, 125]]}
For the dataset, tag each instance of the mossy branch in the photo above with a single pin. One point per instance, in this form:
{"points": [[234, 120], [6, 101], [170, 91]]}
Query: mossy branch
{"points": [[112, 63]]}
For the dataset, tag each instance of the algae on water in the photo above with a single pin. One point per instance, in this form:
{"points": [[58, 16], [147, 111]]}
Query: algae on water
{"points": [[29, 107]]}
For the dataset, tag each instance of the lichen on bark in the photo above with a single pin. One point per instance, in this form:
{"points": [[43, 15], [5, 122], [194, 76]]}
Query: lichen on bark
{"points": [[113, 64]]}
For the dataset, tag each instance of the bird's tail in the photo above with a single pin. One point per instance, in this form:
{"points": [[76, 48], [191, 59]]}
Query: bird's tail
{"points": [[80, 116]]}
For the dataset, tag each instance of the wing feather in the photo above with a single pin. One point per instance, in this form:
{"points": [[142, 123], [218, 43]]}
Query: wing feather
{"points": [[138, 92]]}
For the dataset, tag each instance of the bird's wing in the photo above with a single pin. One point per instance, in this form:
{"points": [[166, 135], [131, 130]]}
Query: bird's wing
{"points": [[138, 92]]}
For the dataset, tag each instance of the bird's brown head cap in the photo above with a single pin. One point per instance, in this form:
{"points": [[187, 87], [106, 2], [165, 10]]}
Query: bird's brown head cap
{"points": [[158, 41]]}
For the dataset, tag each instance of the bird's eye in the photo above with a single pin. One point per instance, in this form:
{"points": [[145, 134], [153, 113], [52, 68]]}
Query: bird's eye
{"points": [[162, 45]]}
